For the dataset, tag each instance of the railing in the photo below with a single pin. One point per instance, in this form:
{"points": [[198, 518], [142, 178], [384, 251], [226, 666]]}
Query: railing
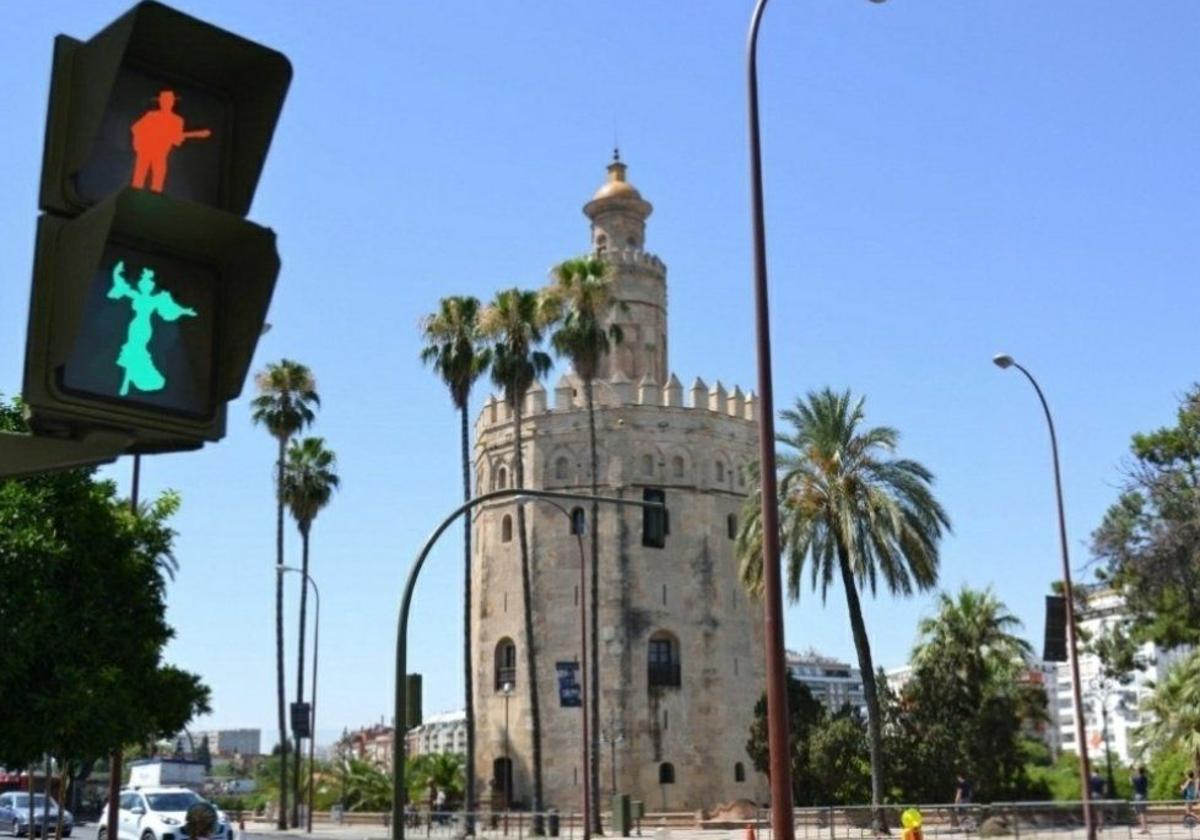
{"points": [[1117, 819], [664, 674]]}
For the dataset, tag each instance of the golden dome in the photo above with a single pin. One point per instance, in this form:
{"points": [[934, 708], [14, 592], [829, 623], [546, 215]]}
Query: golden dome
{"points": [[616, 186]]}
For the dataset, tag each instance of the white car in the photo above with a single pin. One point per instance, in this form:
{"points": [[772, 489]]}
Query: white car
{"points": [[158, 813]]}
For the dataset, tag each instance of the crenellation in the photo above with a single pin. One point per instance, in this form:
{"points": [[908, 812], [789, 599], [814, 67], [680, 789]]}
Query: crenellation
{"points": [[535, 399], [699, 392], [649, 392], [736, 405], [673, 392], [717, 398], [563, 394], [621, 388], [751, 409]]}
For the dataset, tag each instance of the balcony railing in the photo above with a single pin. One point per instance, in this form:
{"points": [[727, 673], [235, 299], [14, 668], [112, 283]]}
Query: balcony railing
{"points": [[664, 674]]}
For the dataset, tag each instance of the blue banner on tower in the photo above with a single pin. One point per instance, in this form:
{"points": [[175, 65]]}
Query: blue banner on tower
{"points": [[569, 693]]}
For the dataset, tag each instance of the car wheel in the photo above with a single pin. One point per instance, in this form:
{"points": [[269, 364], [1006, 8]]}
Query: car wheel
{"points": [[147, 835], [101, 833], [66, 832], [16, 828]]}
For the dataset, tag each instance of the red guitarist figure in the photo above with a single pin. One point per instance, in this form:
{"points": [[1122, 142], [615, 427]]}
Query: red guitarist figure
{"points": [[155, 134]]}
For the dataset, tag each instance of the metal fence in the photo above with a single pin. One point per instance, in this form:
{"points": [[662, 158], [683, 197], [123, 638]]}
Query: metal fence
{"points": [[516, 825], [1116, 819]]}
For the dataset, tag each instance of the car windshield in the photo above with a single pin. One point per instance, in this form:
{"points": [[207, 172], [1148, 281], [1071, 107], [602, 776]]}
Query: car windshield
{"points": [[175, 801], [21, 800]]}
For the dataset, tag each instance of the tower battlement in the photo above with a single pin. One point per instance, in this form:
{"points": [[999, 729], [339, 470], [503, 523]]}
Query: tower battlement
{"points": [[618, 392]]}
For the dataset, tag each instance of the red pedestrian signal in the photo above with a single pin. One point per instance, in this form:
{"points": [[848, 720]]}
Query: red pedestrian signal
{"points": [[155, 135]]}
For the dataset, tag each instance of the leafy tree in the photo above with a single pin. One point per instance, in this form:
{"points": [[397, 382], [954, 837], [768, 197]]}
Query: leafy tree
{"points": [[452, 348], [368, 788], [515, 324], [1149, 540], [805, 714], [580, 300], [309, 479], [967, 708], [82, 623], [441, 771], [1174, 712], [287, 395], [849, 510]]}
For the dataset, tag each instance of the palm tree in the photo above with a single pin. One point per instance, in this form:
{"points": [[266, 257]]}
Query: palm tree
{"points": [[452, 349], [974, 631], [579, 301], [847, 509], [287, 394], [1173, 711], [514, 323], [309, 479]]}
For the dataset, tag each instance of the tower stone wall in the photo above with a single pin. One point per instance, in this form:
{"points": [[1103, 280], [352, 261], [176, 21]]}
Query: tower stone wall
{"points": [[681, 645]]}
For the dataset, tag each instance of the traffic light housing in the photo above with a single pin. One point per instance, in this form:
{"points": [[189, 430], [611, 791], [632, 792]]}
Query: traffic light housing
{"points": [[100, 89], [144, 317], [150, 289]]}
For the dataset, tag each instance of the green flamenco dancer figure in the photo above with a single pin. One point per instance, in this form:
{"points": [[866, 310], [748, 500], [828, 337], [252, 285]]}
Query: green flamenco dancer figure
{"points": [[135, 357]]}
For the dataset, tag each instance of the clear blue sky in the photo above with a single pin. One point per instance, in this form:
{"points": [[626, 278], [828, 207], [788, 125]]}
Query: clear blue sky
{"points": [[944, 181]]}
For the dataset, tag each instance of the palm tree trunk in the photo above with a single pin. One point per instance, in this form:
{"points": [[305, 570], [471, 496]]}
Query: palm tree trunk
{"points": [[527, 593], [468, 682], [593, 769], [282, 821], [870, 690], [300, 674]]}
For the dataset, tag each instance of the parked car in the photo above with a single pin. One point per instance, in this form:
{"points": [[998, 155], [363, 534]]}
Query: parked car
{"points": [[158, 813], [14, 814]]}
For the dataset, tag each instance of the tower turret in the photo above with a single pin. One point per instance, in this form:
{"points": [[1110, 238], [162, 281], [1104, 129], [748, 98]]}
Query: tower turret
{"points": [[618, 214]]}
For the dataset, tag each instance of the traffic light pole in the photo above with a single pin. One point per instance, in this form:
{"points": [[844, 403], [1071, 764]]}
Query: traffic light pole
{"points": [[400, 705]]}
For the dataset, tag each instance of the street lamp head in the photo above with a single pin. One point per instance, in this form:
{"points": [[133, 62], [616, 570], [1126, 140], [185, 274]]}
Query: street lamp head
{"points": [[281, 568], [506, 689], [1002, 360]]}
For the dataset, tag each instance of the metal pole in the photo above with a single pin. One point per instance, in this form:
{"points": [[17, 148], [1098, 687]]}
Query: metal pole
{"points": [[313, 735], [114, 763], [777, 721], [1089, 822], [399, 695]]}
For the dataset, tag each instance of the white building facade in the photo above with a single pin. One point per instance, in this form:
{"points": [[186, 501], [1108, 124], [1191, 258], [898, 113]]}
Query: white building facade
{"points": [[441, 733], [1121, 704], [833, 682]]}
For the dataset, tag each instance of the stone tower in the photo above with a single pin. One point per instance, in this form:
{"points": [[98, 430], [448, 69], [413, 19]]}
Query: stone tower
{"points": [[681, 645]]}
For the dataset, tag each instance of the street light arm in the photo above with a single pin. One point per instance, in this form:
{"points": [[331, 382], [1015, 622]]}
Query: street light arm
{"points": [[399, 710]]}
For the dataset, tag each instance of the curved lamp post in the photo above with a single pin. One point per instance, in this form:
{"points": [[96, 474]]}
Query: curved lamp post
{"points": [[1005, 361], [399, 709], [777, 722], [312, 740]]}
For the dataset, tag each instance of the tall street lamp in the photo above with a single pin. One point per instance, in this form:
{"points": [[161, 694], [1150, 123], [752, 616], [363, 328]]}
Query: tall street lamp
{"points": [[312, 739], [612, 735], [777, 723], [1004, 361], [507, 691]]}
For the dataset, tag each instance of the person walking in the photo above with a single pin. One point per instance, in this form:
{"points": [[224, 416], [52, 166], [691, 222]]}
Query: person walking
{"points": [[1188, 789], [963, 791], [1141, 792]]}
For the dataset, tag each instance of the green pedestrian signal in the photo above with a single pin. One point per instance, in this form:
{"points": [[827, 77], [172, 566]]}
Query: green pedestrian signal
{"points": [[150, 288], [135, 358]]}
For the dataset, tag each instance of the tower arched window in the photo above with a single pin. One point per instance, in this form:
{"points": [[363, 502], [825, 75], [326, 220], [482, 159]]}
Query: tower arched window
{"points": [[739, 772], [666, 773], [601, 243], [677, 466], [731, 526], [578, 521], [648, 465], [502, 478], [741, 476], [561, 467], [506, 528], [506, 665], [720, 468], [662, 660]]}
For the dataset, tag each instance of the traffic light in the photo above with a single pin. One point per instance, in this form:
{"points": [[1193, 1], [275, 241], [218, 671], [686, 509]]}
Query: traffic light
{"points": [[144, 317], [150, 289]]}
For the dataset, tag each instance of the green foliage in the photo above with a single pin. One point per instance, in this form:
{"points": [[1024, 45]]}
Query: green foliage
{"points": [[515, 322], [1060, 780], [287, 395], [309, 479], [82, 618], [368, 788], [578, 303], [453, 346], [1149, 541], [967, 708], [440, 771], [1166, 770], [1174, 712]]}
